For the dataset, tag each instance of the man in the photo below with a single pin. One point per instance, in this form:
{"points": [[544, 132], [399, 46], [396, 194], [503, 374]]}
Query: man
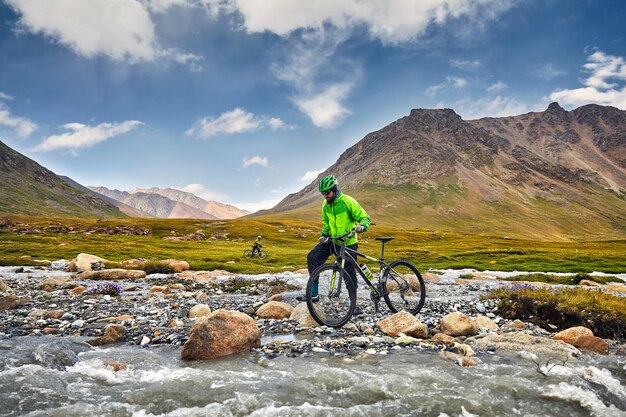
{"points": [[340, 214], [256, 247]]}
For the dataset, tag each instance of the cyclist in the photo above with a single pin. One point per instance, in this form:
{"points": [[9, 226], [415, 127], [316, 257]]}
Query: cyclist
{"points": [[340, 214], [256, 246]]}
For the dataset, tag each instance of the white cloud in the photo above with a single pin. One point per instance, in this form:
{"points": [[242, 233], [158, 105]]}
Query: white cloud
{"points": [[234, 121], [547, 72], [314, 30], [311, 175], [82, 136], [450, 82], [465, 64], [326, 109], [201, 191], [390, 22], [606, 83], [489, 107], [255, 160], [496, 87], [275, 124], [23, 127], [122, 30]]}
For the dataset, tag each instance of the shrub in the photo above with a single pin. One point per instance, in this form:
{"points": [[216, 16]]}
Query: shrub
{"points": [[155, 267], [561, 279], [604, 314], [109, 288]]}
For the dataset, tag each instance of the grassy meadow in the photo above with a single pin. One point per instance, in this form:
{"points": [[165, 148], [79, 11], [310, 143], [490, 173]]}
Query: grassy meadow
{"points": [[288, 241]]}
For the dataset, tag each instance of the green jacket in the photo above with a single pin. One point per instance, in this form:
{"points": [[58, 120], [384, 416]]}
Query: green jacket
{"points": [[341, 216]]}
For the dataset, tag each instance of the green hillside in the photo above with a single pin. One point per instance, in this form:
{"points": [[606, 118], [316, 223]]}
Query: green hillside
{"points": [[26, 239], [28, 188]]}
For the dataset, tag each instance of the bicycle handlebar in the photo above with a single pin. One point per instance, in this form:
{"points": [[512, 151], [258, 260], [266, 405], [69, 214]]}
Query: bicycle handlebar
{"points": [[343, 237]]}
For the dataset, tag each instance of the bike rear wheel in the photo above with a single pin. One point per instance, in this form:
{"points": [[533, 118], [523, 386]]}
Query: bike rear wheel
{"points": [[247, 253], [262, 254], [403, 287], [336, 296]]}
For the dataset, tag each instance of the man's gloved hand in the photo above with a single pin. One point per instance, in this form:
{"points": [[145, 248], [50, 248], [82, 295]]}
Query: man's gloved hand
{"points": [[323, 239], [359, 229]]}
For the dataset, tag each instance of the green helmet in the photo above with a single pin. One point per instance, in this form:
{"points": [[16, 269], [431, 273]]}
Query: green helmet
{"points": [[327, 183]]}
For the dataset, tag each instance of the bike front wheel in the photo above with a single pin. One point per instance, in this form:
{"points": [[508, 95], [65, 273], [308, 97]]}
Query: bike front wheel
{"points": [[262, 254], [330, 296], [403, 287]]}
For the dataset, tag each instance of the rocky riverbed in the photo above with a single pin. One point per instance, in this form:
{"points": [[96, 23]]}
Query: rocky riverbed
{"points": [[161, 309]]}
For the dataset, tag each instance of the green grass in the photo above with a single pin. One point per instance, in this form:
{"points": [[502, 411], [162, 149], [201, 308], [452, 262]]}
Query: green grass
{"points": [[604, 314], [562, 279], [288, 241]]}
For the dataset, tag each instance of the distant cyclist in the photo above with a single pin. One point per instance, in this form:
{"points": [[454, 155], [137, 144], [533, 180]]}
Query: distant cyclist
{"points": [[256, 246], [340, 214]]}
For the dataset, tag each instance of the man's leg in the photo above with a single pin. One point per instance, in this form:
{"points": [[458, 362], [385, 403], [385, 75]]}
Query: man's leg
{"points": [[316, 258], [350, 269]]}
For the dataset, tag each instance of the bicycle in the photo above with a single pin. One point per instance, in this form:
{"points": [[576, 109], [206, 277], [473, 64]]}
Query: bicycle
{"points": [[251, 253], [399, 283]]}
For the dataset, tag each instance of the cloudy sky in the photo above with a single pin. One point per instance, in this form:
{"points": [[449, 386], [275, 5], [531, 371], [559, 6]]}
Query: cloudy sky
{"points": [[245, 101]]}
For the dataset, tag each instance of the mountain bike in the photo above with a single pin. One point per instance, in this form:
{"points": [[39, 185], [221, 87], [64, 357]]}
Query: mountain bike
{"points": [[251, 253], [331, 292]]}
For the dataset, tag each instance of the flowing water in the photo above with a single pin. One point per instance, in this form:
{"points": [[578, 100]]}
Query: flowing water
{"points": [[42, 376]]}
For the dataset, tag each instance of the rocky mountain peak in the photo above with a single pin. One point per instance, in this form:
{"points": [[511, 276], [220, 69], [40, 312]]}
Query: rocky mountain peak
{"points": [[434, 117], [557, 172], [555, 114]]}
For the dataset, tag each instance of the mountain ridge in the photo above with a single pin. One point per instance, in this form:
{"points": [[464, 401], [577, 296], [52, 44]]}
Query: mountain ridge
{"points": [[215, 208], [560, 174], [29, 188], [171, 203]]}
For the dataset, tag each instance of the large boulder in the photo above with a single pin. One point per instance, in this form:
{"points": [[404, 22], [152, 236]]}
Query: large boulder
{"points": [[274, 310], [572, 334], [616, 287], [222, 333], [199, 310], [593, 344], [520, 342], [457, 324], [484, 323], [83, 262], [53, 283], [583, 338], [204, 276], [9, 302], [430, 277], [403, 322], [177, 264], [111, 274], [4, 287], [303, 317], [414, 283], [112, 333]]}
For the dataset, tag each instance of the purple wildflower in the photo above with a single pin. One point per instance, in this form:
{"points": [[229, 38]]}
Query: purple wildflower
{"points": [[109, 288]]}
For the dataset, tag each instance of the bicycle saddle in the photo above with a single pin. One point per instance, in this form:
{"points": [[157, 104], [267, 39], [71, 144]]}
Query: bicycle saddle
{"points": [[384, 239]]}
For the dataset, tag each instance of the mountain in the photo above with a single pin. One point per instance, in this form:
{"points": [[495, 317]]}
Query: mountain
{"points": [[28, 188], [552, 174], [154, 204], [124, 208], [219, 210]]}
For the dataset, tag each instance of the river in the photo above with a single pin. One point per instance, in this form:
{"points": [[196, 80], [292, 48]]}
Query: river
{"points": [[34, 382], [62, 376]]}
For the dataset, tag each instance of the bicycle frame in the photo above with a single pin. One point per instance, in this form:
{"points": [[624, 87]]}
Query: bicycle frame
{"points": [[346, 253]]}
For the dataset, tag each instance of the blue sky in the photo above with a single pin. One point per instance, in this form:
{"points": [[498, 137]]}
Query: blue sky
{"points": [[245, 101]]}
